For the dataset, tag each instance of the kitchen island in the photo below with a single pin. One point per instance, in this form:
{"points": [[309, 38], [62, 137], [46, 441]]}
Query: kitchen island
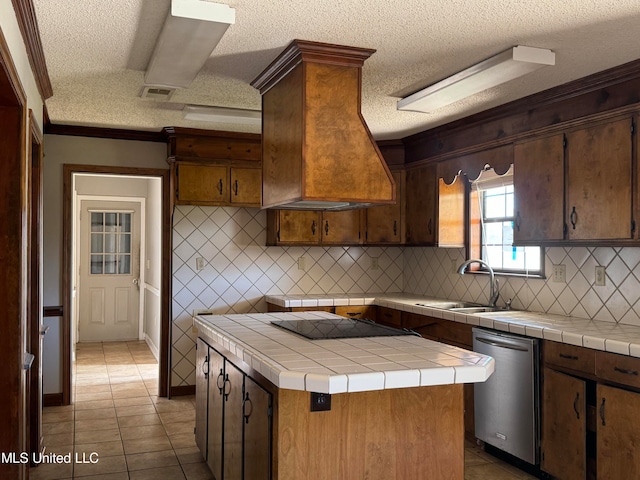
{"points": [[272, 404]]}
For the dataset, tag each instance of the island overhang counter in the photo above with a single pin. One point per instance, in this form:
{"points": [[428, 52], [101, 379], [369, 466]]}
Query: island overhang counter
{"points": [[272, 404]]}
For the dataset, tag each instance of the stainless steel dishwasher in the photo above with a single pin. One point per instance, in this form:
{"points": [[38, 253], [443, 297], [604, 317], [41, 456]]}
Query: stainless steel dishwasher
{"points": [[507, 405]]}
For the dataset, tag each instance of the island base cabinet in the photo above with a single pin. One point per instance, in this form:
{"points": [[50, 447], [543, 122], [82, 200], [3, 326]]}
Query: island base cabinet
{"points": [[403, 433], [618, 433]]}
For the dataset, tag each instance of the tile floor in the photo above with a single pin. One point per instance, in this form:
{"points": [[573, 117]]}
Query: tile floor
{"points": [[138, 436]]}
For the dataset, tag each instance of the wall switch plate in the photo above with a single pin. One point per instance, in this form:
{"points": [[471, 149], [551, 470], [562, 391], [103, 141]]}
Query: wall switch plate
{"points": [[559, 274], [199, 263], [374, 263], [320, 402], [600, 276], [302, 263]]}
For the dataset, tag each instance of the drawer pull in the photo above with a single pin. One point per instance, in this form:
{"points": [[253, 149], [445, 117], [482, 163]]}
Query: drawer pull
{"points": [[625, 371], [353, 314], [220, 382], [568, 357], [602, 412], [575, 405]]}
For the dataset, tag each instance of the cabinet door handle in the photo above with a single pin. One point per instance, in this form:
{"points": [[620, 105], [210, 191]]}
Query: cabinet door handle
{"points": [[313, 227], [575, 405], [220, 382], [574, 218], [568, 357], [395, 228], [235, 188], [429, 226], [326, 227], [220, 186], [205, 363], [518, 221], [247, 402], [227, 383], [352, 314], [602, 412], [625, 371]]}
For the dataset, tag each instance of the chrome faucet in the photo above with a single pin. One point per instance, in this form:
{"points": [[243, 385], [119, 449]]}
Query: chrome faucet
{"points": [[494, 286]]}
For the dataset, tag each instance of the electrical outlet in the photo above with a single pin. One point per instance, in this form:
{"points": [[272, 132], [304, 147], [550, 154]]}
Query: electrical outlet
{"points": [[560, 273], [600, 276], [374, 263], [302, 263], [199, 263]]}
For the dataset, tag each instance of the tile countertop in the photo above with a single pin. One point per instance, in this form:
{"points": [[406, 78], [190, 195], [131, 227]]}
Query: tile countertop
{"points": [[598, 335], [343, 365]]}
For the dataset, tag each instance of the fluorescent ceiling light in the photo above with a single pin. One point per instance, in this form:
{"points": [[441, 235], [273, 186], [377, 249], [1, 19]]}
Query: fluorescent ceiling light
{"points": [[191, 31], [505, 66], [222, 115]]}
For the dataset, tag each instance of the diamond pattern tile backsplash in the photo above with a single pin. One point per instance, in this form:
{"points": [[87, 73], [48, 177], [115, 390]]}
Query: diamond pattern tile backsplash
{"points": [[238, 270], [431, 271]]}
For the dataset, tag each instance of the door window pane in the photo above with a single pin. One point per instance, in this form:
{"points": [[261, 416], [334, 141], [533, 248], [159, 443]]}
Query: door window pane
{"points": [[111, 249]]}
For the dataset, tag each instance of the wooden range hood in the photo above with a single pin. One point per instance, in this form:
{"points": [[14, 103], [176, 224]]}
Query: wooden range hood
{"points": [[317, 151]]}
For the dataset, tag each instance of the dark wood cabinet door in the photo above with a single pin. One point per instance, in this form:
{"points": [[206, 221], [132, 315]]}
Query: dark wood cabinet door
{"points": [[342, 228], [298, 226], [256, 411], [202, 184], [538, 182], [420, 186], [383, 222], [233, 419], [216, 401], [599, 182], [564, 453], [618, 433], [202, 395], [246, 186], [451, 212]]}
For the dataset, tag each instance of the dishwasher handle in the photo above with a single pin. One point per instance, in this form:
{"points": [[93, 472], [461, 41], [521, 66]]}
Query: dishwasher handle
{"points": [[501, 345]]}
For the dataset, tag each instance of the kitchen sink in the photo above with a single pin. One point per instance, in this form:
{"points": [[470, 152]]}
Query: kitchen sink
{"points": [[476, 309], [450, 305]]}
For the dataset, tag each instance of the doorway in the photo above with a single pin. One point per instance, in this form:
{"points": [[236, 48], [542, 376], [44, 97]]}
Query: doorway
{"points": [[139, 306]]}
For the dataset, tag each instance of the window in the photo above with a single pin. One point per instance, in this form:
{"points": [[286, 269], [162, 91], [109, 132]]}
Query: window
{"points": [[110, 243], [492, 220]]}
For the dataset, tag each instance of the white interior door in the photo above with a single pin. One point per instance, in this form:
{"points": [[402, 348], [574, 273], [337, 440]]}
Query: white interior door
{"points": [[109, 271]]}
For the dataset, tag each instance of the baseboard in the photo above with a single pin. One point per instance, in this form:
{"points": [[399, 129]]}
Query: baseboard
{"points": [[152, 347], [52, 399], [183, 390]]}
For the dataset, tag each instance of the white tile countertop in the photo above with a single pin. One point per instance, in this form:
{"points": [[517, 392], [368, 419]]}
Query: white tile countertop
{"points": [[291, 361], [598, 335]]}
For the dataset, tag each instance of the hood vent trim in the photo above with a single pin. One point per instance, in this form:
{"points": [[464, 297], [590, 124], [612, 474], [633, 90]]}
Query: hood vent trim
{"points": [[317, 151]]}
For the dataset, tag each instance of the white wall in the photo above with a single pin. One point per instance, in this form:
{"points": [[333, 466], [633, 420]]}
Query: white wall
{"points": [[86, 151], [152, 280]]}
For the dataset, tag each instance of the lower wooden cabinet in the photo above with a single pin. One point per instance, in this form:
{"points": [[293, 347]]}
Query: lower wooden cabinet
{"points": [[233, 418], [312, 227]]}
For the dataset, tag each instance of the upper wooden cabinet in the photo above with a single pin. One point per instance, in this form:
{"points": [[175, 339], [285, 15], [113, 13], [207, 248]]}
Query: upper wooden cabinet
{"points": [[384, 224], [538, 183], [420, 199], [599, 182], [215, 168], [451, 226], [311, 227]]}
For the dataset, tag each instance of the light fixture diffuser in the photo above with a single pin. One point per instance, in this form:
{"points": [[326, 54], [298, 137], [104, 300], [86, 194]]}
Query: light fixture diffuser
{"points": [[499, 69], [191, 31], [239, 116]]}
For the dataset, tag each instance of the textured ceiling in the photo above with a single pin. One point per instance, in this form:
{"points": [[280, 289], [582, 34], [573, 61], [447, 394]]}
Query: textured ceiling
{"points": [[97, 51]]}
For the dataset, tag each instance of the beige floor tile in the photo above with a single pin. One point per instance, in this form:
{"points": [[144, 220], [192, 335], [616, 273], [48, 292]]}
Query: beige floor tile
{"points": [[197, 471], [95, 414], [55, 417], [102, 466], [135, 410], [106, 476], [143, 461], [97, 436], [139, 420], [58, 408], [178, 428], [143, 445], [57, 440], [166, 407], [96, 424], [103, 449], [60, 450], [189, 455], [83, 389], [166, 473], [488, 471], [51, 471], [87, 397], [472, 458], [131, 392], [171, 417], [183, 440], [130, 401], [144, 431], [56, 428], [93, 404], [117, 379]]}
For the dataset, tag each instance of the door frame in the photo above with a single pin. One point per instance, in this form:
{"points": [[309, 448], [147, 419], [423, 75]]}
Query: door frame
{"points": [[141, 201], [67, 256]]}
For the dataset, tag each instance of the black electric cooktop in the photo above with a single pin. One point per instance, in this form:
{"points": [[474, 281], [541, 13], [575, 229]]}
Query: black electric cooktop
{"points": [[326, 328]]}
